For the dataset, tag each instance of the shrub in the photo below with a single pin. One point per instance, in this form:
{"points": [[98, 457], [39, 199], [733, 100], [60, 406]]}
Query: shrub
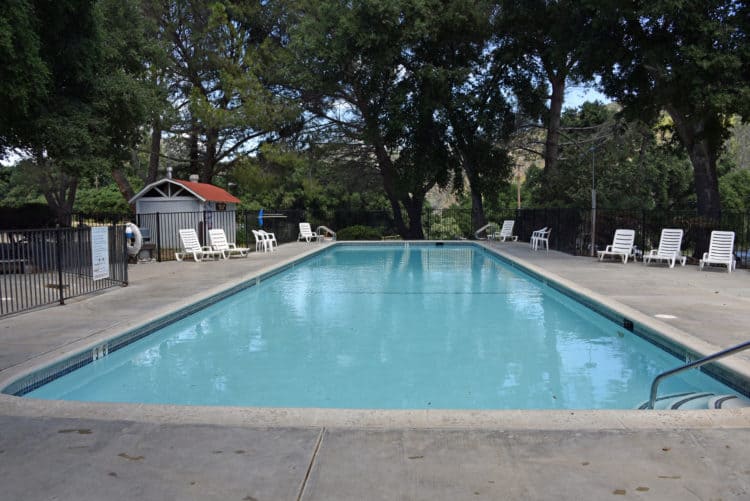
{"points": [[358, 232]]}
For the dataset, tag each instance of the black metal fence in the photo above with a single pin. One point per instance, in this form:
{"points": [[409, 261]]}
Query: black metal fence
{"points": [[573, 230], [46, 266]]}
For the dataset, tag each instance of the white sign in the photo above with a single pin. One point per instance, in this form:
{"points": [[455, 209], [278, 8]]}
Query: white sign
{"points": [[100, 252]]}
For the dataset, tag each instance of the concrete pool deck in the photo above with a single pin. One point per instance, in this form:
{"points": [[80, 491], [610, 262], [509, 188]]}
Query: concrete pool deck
{"points": [[68, 450]]}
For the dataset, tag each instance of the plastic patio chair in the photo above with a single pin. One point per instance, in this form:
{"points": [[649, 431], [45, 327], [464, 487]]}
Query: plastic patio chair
{"points": [[669, 248], [191, 246], [306, 233], [622, 246], [228, 249], [720, 250]]}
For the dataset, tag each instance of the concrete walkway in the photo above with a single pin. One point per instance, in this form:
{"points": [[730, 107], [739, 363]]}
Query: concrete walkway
{"points": [[77, 451]]}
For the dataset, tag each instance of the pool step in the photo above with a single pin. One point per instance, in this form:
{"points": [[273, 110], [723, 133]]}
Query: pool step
{"points": [[697, 400]]}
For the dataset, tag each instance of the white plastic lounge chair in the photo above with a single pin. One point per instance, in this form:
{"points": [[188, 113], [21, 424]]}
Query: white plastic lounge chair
{"points": [[506, 232], [622, 246], [228, 249], [270, 239], [191, 246], [260, 241], [669, 248], [540, 237], [305, 232], [720, 250]]}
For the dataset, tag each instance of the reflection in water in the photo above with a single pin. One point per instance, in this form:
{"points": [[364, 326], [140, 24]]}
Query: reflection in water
{"points": [[363, 327]]}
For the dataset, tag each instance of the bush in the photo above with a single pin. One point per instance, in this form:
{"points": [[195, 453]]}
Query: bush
{"points": [[358, 232]]}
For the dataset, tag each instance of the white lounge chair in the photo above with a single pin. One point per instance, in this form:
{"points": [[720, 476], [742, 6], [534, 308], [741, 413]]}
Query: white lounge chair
{"points": [[306, 233], [540, 237], [191, 246], [669, 248], [270, 239], [622, 246], [228, 249], [506, 232], [720, 250]]}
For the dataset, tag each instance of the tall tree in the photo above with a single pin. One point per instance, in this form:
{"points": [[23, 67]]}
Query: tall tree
{"points": [[545, 41], [217, 88], [690, 58], [378, 72], [25, 75]]}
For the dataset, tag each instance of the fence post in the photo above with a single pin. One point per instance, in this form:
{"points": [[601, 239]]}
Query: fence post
{"points": [[158, 238], [124, 251], [58, 252], [247, 238]]}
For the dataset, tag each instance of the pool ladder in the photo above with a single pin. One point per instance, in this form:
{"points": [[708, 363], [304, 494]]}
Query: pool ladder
{"points": [[692, 365]]}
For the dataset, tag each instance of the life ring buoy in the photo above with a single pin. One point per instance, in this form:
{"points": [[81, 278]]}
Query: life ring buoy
{"points": [[137, 240]]}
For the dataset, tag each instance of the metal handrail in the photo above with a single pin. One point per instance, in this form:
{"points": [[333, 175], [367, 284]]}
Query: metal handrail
{"points": [[692, 365], [328, 232]]}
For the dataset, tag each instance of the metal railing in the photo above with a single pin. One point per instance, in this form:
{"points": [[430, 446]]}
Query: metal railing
{"points": [[40, 267], [692, 365]]}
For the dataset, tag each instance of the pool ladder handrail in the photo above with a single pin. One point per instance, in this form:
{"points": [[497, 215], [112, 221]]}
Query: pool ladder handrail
{"points": [[325, 232], [692, 365]]}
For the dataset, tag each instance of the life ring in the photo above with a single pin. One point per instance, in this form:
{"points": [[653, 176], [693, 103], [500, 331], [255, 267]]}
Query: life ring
{"points": [[137, 240]]}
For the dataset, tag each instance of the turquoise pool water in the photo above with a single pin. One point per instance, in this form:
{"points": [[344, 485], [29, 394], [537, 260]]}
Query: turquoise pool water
{"points": [[389, 327]]}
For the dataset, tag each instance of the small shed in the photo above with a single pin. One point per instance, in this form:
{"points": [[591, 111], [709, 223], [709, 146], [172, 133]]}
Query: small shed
{"points": [[170, 205]]}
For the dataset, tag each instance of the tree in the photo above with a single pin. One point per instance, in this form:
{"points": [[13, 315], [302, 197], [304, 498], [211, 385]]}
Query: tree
{"points": [[215, 75], [25, 75], [378, 74], [690, 58], [479, 120], [546, 42]]}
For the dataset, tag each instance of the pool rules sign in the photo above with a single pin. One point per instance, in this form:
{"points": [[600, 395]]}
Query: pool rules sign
{"points": [[100, 252]]}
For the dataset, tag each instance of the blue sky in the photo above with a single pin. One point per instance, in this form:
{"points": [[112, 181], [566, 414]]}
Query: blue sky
{"points": [[576, 95]]}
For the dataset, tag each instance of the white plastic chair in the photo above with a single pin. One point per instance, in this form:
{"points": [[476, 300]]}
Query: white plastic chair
{"points": [[622, 246], [270, 239], [191, 246], [506, 232], [306, 233], [219, 243], [669, 248], [540, 237], [260, 241], [720, 250]]}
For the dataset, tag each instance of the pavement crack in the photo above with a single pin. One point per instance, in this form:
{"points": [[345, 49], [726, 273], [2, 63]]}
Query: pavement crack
{"points": [[318, 443]]}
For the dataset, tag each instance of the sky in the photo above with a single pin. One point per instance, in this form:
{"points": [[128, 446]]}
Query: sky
{"points": [[576, 95]]}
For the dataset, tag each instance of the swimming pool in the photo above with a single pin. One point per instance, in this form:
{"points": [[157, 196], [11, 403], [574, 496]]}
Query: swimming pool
{"points": [[395, 327]]}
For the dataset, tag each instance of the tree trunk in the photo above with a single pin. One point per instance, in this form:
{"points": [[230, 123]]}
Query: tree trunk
{"points": [[478, 219], [61, 199], [414, 211], [386, 171], [208, 169], [123, 185], [195, 164], [706, 181], [155, 152], [552, 143]]}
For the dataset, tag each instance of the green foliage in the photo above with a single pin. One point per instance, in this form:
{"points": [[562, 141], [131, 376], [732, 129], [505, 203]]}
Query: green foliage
{"points": [[735, 190], [445, 228], [632, 166], [358, 232], [105, 200], [688, 58], [24, 74]]}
